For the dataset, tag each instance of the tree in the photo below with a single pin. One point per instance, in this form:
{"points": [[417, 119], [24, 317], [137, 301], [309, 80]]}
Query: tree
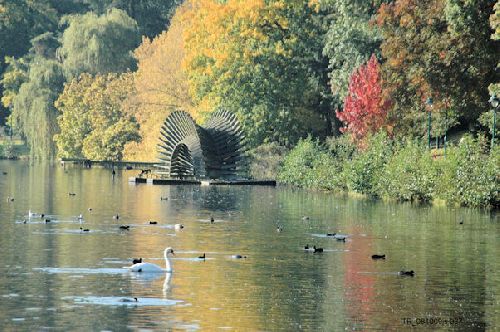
{"points": [[96, 120], [161, 85], [99, 44], [20, 21], [439, 49], [262, 60], [152, 16], [33, 112], [365, 110], [351, 39]]}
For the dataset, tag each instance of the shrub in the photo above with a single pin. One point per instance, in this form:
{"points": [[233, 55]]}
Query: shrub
{"points": [[298, 164], [366, 167], [469, 176], [410, 174]]}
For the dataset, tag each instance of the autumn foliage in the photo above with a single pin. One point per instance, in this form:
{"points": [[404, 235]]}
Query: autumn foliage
{"points": [[365, 108]]}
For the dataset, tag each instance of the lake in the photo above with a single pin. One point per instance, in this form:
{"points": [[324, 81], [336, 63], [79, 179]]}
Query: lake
{"points": [[55, 276]]}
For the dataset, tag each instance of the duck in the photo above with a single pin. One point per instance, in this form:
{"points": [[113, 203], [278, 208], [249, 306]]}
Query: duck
{"points": [[153, 222], [137, 260], [238, 256], [317, 249], [305, 218], [338, 237], [163, 198], [71, 194], [116, 216], [125, 227], [378, 256], [84, 229], [47, 220], [202, 256], [407, 273], [178, 226], [90, 209], [279, 229], [307, 247], [10, 199], [153, 268], [129, 300], [4, 173], [212, 220]]}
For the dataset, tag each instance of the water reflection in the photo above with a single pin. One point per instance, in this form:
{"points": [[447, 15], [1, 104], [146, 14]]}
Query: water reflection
{"points": [[54, 276]]}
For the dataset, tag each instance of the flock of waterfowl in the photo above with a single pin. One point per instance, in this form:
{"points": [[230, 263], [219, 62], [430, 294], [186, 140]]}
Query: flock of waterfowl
{"points": [[144, 267], [342, 238]]}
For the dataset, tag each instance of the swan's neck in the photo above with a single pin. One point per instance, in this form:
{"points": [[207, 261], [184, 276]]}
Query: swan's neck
{"points": [[167, 263]]}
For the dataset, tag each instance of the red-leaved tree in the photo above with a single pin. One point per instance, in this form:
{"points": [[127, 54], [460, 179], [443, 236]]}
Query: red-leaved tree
{"points": [[365, 108]]}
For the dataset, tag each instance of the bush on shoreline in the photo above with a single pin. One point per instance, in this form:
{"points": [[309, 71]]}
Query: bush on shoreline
{"points": [[468, 175]]}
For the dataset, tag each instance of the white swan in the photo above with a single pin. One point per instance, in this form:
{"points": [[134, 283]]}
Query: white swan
{"points": [[153, 268]]}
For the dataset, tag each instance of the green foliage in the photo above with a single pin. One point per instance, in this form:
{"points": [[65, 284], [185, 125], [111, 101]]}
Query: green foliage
{"points": [[266, 160], [152, 16], [366, 167], [99, 44], [297, 168], [468, 176], [96, 119], [350, 39], [410, 175], [310, 165], [33, 113]]}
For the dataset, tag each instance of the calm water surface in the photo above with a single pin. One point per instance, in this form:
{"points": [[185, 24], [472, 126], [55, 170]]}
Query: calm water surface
{"points": [[52, 276]]}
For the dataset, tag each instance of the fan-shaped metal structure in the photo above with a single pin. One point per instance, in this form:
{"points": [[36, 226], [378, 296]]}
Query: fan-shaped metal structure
{"points": [[214, 151]]}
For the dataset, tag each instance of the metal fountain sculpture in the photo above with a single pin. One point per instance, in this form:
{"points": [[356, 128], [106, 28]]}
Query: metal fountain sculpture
{"points": [[214, 150]]}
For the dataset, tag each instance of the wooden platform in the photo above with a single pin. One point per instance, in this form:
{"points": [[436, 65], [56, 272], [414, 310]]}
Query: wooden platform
{"points": [[203, 182]]}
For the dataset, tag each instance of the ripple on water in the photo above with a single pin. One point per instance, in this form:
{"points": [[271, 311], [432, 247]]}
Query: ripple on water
{"points": [[74, 270], [122, 301]]}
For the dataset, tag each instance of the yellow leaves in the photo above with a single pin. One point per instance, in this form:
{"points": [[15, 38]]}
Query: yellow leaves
{"points": [[315, 5]]}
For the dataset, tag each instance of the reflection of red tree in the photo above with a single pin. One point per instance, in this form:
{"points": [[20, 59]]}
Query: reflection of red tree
{"points": [[358, 286]]}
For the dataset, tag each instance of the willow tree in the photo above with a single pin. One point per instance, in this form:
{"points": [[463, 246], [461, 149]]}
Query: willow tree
{"points": [[33, 112], [99, 44]]}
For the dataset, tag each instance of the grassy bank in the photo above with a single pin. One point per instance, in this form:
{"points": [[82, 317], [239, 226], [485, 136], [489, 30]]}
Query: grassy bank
{"points": [[468, 175]]}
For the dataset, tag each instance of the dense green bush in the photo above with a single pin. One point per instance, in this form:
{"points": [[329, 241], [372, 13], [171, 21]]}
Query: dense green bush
{"points": [[298, 165], [311, 165], [469, 176], [409, 175], [366, 167]]}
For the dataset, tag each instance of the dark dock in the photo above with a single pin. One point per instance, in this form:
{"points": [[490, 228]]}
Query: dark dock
{"points": [[202, 182]]}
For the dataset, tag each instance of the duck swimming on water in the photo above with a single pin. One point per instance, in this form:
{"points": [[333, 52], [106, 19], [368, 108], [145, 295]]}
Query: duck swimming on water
{"points": [[407, 273], [137, 260], [129, 300]]}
